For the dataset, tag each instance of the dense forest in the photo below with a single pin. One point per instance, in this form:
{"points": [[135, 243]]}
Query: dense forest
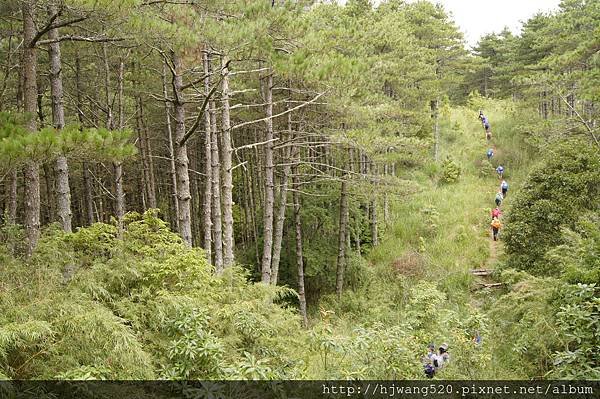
{"points": [[295, 190]]}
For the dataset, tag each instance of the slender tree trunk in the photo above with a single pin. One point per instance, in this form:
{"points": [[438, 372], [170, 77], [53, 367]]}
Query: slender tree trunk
{"points": [[280, 220], [269, 186], [228, 240], [31, 172], [299, 255], [341, 259], [217, 232], [148, 161], [183, 178], [173, 171], [87, 183], [117, 164], [11, 206], [63, 189], [206, 207]]}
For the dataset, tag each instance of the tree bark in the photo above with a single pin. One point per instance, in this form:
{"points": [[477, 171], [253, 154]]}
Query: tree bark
{"points": [[269, 186], [341, 259], [117, 164], [217, 232], [181, 157], [63, 189], [173, 171], [228, 240], [299, 255], [31, 172], [280, 220], [206, 207]]}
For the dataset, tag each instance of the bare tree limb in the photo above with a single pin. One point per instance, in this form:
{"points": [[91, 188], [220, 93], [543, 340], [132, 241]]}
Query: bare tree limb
{"points": [[581, 119], [51, 26], [82, 39], [278, 115]]}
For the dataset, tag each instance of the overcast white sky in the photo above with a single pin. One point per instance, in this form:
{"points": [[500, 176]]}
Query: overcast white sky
{"points": [[479, 17]]}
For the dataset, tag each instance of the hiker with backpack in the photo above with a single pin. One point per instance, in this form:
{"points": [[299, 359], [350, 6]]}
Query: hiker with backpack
{"points": [[442, 358], [499, 198], [428, 367], [500, 171], [495, 228], [490, 154], [504, 188], [496, 213]]}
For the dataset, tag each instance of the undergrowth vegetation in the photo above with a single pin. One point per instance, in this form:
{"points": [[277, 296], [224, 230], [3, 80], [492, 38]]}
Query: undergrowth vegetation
{"points": [[99, 304]]}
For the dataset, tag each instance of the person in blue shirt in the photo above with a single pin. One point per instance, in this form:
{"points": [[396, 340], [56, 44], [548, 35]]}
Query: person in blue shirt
{"points": [[490, 154], [504, 188], [500, 171]]}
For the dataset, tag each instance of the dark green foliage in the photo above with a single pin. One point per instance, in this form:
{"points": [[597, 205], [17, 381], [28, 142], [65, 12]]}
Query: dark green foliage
{"points": [[557, 192], [95, 306]]}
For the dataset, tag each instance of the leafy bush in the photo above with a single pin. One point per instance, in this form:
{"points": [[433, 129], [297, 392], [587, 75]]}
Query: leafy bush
{"points": [[140, 307], [450, 171], [557, 192]]}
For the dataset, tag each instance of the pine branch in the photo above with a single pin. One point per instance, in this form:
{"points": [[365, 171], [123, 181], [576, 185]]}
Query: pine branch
{"points": [[278, 115], [50, 26]]}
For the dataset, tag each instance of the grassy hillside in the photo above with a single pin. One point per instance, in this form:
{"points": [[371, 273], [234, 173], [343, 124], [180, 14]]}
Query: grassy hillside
{"points": [[164, 315]]}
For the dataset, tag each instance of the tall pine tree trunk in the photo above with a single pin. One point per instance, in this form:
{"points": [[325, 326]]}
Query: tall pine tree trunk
{"points": [[280, 220], [228, 240], [206, 207], [341, 258], [32, 171], [63, 190], [87, 183], [269, 186], [217, 224], [299, 255], [172, 170], [183, 179], [118, 165]]}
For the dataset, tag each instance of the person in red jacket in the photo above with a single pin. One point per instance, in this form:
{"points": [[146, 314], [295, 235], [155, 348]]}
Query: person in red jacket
{"points": [[496, 213]]}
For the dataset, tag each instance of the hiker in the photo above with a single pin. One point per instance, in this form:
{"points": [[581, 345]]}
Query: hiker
{"points": [[495, 228], [490, 154], [499, 198], [486, 125], [500, 171], [441, 358], [477, 338], [496, 213], [504, 188], [428, 367]]}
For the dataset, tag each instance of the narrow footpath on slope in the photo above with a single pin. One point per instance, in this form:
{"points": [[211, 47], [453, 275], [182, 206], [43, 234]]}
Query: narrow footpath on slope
{"points": [[486, 271]]}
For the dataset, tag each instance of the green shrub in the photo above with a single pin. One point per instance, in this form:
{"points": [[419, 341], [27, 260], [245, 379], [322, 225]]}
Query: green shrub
{"points": [[559, 190], [450, 171]]}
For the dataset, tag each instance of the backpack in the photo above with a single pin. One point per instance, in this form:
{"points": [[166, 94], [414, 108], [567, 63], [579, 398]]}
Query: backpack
{"points": [[496, 224], [429, 370], [495, 213], [504, 185]]}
